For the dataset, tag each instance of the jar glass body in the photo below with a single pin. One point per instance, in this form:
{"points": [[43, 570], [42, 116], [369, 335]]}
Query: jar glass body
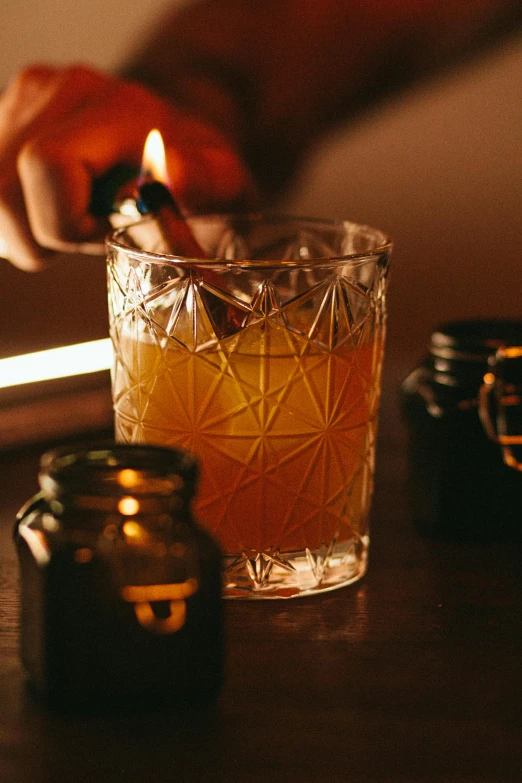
{"points": [[120, 588], [459, 485]]}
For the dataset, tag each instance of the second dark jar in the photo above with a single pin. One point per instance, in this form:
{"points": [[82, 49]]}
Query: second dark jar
{"points": [[459, 484]]}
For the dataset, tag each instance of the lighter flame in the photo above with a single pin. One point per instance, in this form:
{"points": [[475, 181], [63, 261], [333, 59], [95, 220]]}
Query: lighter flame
{"points": [[154, 164]]}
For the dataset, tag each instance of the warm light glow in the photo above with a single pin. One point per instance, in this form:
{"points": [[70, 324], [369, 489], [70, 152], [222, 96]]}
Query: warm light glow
{"points": [[171, 624], [154, 164], [64, 362], [128, 507], [132, 529], [110, 531], [128, 478], [489, 378], [164, 592], [37, 543], [83, 555], [50, 523], [511, 352]]}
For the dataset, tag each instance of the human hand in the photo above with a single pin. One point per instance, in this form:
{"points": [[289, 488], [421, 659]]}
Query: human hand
{"points": [[60, 128]]}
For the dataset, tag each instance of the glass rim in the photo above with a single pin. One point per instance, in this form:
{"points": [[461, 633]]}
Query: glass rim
{"points": [[384, 247]]}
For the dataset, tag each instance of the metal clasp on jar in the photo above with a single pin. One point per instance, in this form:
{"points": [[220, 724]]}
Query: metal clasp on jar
{"points": [[500, 404]]}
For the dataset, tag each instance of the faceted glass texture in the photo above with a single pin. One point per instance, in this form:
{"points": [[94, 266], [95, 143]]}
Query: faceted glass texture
{"points": [[264, 359]]}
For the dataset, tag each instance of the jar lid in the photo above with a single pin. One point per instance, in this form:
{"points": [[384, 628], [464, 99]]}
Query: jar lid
{"points": [[108, 468], [474, 340]]}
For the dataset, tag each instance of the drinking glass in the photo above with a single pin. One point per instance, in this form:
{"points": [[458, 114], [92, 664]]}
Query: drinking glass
{"points": [[264, 360]]}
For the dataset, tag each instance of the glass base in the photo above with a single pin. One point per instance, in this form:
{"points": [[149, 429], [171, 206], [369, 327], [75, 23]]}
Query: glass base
{"points": [[270, 574]]}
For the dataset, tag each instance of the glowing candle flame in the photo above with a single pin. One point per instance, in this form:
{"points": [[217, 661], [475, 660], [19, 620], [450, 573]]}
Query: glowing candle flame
{"points": [[153, 163]]}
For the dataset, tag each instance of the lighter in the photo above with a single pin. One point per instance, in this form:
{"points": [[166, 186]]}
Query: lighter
{"points": [[120, 588], [125, 198]]}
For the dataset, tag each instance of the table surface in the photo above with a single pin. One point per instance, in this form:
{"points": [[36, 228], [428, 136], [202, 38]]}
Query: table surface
{"points": [[413, 674]]}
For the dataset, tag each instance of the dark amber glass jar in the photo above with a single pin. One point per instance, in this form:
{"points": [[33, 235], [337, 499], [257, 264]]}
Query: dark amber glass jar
{"points": [[459, 484], [120, 588]]}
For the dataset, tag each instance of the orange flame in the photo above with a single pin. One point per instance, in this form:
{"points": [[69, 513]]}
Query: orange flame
{"points": [[153, 162]]}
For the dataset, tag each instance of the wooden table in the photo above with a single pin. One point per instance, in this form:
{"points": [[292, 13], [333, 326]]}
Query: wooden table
{"points": [[414, 674]]}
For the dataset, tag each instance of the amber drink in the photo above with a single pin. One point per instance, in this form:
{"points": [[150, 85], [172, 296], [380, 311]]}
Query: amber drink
{"points": [[264, 361]]}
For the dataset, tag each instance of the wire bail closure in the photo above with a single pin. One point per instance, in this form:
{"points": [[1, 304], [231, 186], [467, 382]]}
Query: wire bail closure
{"points": [[500, 403]]}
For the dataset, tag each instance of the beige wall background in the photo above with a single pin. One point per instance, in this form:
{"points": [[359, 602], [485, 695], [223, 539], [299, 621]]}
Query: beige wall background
{"points": [[439, 168], [62, 31]]}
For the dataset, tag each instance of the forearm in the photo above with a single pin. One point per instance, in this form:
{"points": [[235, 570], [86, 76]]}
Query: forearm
{"points": [[273, 74]]}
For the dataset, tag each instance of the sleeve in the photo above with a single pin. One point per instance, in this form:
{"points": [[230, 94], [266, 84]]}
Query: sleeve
{"points": [[275, 74]]}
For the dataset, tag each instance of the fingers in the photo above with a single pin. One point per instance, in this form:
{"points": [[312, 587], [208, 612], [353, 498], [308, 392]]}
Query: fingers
{"points": [[205, 170], [35, 105], [56, 197], [57, 167], [59, 129], [20, 104], [209, 177], [16, 239]]}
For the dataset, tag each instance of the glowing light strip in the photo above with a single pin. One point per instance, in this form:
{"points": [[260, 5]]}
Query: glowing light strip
{"points": [[64, 362]]}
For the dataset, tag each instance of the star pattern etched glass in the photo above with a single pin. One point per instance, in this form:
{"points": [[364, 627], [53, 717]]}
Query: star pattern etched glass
{"points": [[265, 361]]}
